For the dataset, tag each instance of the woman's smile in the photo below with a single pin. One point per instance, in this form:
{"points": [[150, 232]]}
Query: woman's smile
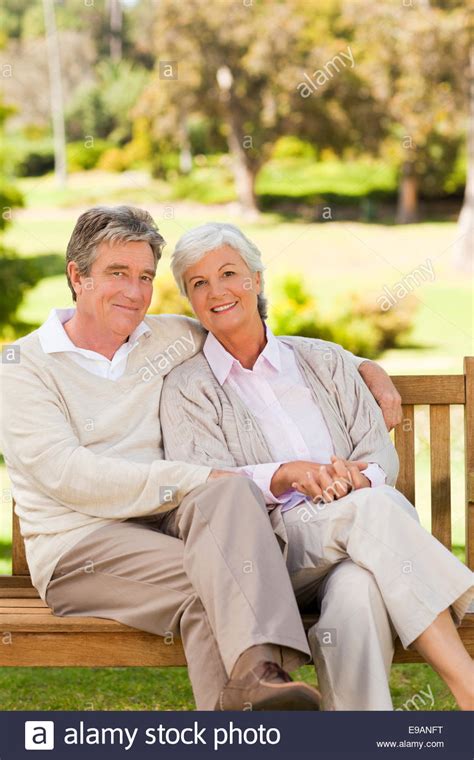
{"points": [[224, 307]]}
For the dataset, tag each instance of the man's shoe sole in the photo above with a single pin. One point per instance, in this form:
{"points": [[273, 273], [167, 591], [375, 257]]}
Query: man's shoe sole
{"points": [[286, 696]]}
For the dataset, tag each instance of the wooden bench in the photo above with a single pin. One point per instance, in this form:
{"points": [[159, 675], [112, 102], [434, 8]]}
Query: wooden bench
{"points": [[31, 635]]}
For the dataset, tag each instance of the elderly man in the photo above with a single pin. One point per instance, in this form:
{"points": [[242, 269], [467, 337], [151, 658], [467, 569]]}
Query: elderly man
{"points": [[82, 443]]}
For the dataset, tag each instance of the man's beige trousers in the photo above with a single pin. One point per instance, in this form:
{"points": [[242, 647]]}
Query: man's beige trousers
{"points": [[372, 572], [223, 587]]}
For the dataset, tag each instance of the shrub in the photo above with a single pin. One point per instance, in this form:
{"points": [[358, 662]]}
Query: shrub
{"points": [[361, 327], [81, 156], [16, 277], [114, 160], [166, 297], [209, 184], [10, 198], [36, 162], [164, 162], [391, 326], [292, 147]]}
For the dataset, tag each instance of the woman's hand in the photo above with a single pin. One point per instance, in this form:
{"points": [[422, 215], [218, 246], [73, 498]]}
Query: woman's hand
{"points": [[321, 482]]}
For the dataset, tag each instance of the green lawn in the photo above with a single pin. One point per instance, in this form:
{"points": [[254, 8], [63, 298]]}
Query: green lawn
{"points": [[211, 181], [169, 688]]}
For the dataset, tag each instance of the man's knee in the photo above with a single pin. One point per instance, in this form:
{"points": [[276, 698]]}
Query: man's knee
{"points": [[223, 494]]}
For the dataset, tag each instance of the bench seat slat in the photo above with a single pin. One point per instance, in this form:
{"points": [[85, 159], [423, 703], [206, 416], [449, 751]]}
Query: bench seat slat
{"points": [[38, 621], [118, 648], [132, 649], [22, 602], [16, 582]]}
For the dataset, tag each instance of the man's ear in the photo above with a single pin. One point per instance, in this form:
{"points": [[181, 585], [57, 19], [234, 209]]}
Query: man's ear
{"points": [[74, 277]]}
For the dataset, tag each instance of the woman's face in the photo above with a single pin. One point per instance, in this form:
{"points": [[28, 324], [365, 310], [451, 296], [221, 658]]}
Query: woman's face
{"points": [[223, 291]]}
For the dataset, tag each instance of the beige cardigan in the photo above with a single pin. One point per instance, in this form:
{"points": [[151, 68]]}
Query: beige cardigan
{"points": [[203, 423]]}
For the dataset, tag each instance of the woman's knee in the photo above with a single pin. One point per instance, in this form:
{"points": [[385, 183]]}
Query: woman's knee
{"points": [[385, 499]]}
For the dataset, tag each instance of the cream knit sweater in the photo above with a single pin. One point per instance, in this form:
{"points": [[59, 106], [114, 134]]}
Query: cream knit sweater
{"points": [[83, 451]]}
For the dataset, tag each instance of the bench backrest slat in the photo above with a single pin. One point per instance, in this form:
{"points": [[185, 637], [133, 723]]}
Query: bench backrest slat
{"points": [[440, 455], [431, 389], [405, 445], [19, 564], [469, 458]]}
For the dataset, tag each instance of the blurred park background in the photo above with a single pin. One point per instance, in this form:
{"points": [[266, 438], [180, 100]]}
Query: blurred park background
{"points": [[333, 132]]}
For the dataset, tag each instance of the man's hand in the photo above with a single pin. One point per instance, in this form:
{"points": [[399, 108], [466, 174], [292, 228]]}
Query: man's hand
{"points": [[318, 481], [383, 391], [214, 474]]}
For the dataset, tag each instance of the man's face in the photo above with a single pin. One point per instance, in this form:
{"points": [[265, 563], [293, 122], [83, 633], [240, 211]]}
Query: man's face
{"points": [[118, 291]]}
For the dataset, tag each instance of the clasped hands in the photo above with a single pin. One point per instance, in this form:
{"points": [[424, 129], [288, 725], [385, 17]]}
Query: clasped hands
{"points": [[321, 482]]}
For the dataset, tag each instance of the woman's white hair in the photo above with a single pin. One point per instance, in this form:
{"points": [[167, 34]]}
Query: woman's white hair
{"points": [[196, 243]]}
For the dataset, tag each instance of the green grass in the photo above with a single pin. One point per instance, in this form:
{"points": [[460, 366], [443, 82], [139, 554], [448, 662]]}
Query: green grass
{"points": [[167, 688], [213, 183]]}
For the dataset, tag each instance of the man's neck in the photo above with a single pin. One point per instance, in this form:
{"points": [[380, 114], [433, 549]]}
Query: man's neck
{"points": [[83, 336]]}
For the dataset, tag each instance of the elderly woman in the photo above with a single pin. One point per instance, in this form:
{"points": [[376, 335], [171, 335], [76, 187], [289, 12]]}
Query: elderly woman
{"points": [[294, 415]]}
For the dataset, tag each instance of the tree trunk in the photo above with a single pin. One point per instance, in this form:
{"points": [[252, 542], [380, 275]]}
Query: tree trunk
{"points": [[243, 168], [56, 93], [115, 37], [185, 155], [244, 172], [463, 249], [407, 209]]}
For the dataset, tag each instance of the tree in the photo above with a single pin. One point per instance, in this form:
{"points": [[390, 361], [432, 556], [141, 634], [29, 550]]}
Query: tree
{"points": [[229, 62], [413, 58], [102, 107], [464, 246], [56, 93], [116, 23], [16, 275], [28, 88], [241, 64]]}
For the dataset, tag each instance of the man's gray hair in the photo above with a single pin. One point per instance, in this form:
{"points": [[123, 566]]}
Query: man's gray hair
{"points": [[112, 224], [196, 243]]}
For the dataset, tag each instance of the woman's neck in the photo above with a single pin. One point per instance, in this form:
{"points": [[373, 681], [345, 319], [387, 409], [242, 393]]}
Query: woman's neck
{"points": [[246, 345]]}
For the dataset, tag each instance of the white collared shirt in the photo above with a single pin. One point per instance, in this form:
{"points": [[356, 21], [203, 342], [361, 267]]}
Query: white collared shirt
{"points": [[54, 339], [291, 421]]}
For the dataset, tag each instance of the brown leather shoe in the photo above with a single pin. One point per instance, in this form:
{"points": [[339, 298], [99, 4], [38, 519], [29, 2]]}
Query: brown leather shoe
{"points": [[267, 687]]}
